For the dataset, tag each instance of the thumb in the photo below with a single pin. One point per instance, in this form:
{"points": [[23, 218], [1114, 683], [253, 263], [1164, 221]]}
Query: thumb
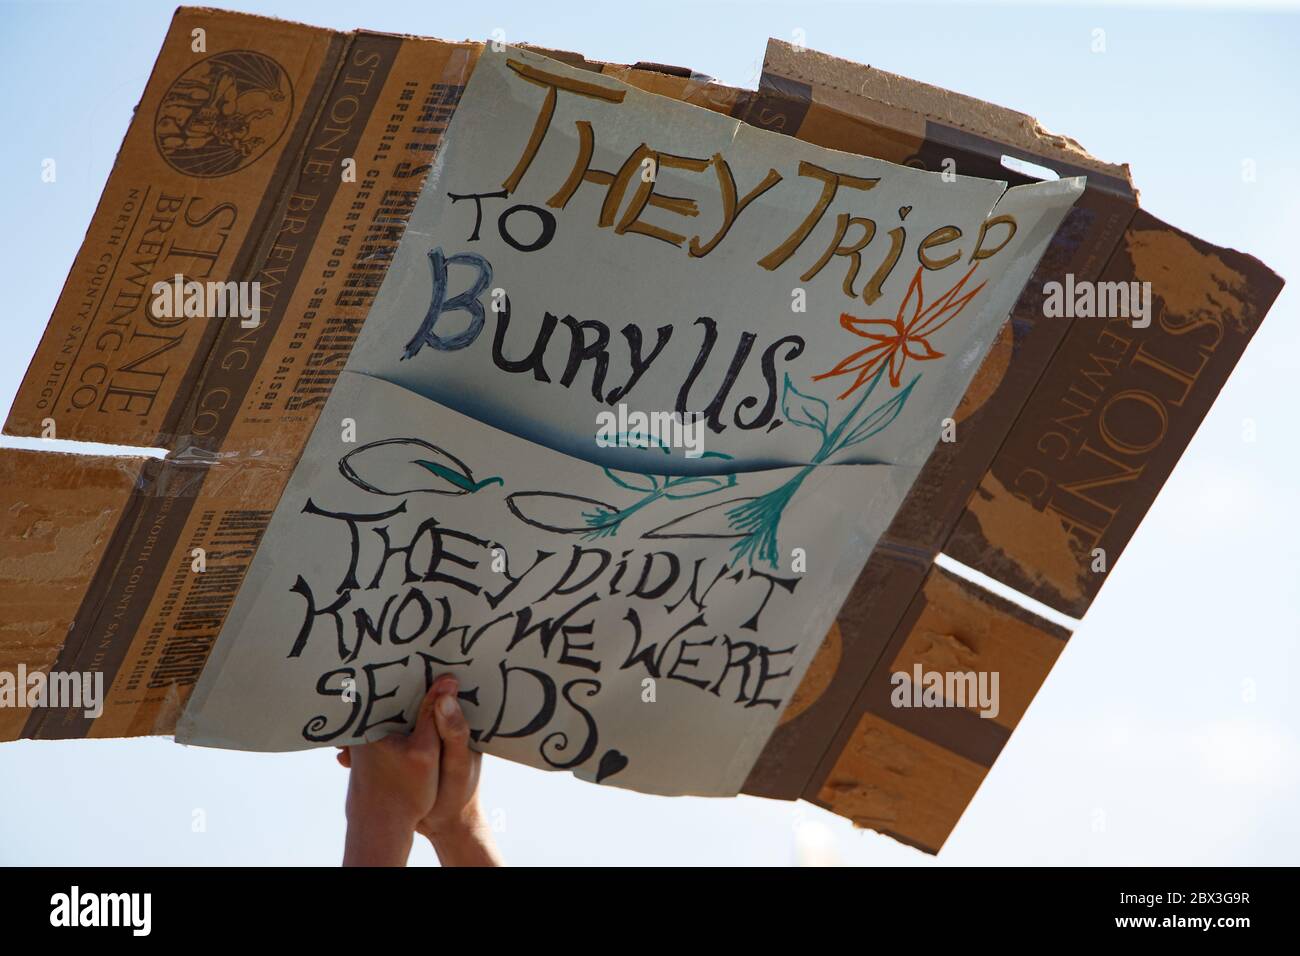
{"points": [[453, 728], [425, 735]]}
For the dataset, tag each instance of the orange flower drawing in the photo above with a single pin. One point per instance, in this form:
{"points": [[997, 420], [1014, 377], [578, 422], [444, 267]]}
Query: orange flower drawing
{"points": [[893, 342]]}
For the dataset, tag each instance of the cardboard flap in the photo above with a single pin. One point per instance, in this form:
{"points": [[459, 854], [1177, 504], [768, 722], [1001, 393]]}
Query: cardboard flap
{"points": [[901, 108], [907, 766], [1111, 416], [186, 196], [58, 513]]}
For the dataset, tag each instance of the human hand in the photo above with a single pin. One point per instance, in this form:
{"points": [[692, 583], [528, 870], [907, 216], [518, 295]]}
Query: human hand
{"points": [[455, 824], [425, 782], [394, 782]]}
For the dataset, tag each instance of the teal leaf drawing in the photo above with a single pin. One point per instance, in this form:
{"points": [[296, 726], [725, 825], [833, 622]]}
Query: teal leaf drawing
{"points": [[692, 486], [758, 521], [879, 419], [633, 480], [463, 482], [807, 411]]}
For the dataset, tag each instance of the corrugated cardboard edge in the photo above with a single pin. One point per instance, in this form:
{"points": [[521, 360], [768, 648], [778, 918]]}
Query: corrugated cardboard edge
{"points": [[916, 100], [153, 519], [58, 517]]}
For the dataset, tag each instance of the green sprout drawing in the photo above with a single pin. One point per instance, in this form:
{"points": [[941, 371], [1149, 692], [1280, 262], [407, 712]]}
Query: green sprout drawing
{"points": [[465, 483], [605, 520], [758, 519]]}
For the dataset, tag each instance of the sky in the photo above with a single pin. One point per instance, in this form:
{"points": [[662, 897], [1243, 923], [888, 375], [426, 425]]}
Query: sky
{"points": [[1168, 732]]}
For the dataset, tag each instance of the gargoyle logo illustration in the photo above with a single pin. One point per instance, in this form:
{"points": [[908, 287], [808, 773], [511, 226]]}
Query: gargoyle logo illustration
{"points": [[223, 113]]}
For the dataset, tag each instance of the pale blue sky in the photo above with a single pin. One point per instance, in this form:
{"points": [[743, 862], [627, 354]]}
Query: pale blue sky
{"points": [[1168, 732]]}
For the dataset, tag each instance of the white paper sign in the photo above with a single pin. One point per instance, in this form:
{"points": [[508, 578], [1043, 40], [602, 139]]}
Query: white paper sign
{"points": [[641, 390], [605, 622]]}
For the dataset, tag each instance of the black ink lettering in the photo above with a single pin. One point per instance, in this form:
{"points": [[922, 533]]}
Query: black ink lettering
{"points": [[536, 360], [478, 207], [544, 217], [314, 729], [350, 579], [301, 586], [796, 344], [639, 365], [559, 741], [372, 695], [580, 351]]}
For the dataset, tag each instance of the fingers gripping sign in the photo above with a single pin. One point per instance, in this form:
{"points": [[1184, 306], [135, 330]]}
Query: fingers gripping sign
{"points": [[424, 782]]}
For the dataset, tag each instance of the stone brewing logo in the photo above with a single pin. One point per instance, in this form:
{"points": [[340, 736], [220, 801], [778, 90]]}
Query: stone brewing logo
{"points": [[223, 113]]}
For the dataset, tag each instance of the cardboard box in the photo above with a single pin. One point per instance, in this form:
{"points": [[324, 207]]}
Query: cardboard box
{"points": [[1053, 460]]}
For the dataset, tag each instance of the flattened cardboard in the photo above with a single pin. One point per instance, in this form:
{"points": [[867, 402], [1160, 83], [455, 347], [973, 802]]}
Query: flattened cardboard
{"points": [[686, 309], [106, 370], [58, 514], [226, 477], [554, 645], [1049, 378], [1111, 416], [910, 771], [406, 342]]}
